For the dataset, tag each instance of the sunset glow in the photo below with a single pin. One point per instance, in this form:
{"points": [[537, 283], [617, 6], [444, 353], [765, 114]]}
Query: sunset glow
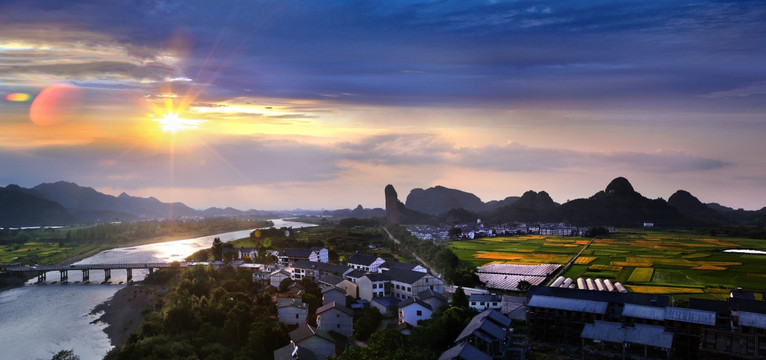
{"points": [[269, 106], [170, 122]]}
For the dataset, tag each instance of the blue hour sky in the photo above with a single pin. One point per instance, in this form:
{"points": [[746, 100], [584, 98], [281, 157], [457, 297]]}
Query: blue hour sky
{"points": [[320, 104]]}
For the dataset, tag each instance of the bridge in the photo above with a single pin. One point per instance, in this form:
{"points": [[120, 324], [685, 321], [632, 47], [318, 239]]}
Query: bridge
{"points": [[86, 268]]}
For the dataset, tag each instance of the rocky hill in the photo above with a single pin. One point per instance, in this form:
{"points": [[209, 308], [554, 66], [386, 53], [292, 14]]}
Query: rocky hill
{"points": [[398, 213], [620, 205], [438, 200]]}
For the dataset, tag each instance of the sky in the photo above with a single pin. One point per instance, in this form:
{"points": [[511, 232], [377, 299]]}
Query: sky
{"points": [[320, 104]]}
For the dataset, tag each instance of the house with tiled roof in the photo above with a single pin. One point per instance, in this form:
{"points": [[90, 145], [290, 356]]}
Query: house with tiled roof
{"points": [[412, 310], [433, 298], [367, 263], [319, 342], [336, 317], [315, 270], [334, 294], [293, 352], [489, 332], [292, 311]]}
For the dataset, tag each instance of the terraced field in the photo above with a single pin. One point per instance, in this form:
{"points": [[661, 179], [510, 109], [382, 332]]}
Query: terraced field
{"points": [[645, 261]]}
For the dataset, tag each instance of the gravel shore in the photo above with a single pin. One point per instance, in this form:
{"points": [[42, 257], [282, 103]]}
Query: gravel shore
{"points": [[124, 312]]}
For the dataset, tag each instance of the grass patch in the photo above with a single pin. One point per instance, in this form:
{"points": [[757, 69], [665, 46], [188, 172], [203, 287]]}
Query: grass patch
{"points": [[642, 274]]}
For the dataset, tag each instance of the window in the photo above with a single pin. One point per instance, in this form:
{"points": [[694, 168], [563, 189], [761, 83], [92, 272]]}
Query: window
{"points": [[296, 316], [420, 312], [337, 326]]}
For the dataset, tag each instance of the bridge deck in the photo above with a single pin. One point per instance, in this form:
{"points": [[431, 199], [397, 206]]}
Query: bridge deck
{"points": [[97, 266]]}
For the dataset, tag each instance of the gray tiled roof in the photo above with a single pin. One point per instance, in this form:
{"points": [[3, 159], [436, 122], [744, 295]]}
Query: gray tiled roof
{"points": [[362, 259], [295, 252], [483, 326], [334, 305], [405, 276], [464, 351], [306, 331]]}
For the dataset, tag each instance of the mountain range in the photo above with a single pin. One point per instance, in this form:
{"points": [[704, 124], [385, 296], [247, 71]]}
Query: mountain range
{"points": [[64, 203], [618, 205]]}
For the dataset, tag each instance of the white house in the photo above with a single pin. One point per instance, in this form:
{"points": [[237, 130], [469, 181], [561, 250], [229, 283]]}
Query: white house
{"points": [[411, 311], [364, 262], [374, 285], [481, 302], [406, 284], [319, 254]]}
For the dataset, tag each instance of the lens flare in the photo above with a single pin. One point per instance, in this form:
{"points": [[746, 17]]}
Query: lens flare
{"points": [[55, 104], [17, 97]]}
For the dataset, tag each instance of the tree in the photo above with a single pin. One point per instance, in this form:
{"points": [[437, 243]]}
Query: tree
{"points": [[367, 323], [459, 299], [523, 285], [217, 249], [65, 355], [455, 233]]}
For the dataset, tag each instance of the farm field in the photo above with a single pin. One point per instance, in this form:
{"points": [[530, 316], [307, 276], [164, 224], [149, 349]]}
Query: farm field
{"points": [[644, 261]]}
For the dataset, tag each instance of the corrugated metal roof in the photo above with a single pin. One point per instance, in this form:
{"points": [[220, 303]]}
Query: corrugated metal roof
{"points": [[752, 320], [649, 335], [690, 316], [552, 302], [604, 331], [644, 312]]}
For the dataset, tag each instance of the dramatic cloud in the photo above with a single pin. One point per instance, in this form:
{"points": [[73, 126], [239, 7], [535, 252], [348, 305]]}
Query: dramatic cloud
{"points": [[338, 95]]}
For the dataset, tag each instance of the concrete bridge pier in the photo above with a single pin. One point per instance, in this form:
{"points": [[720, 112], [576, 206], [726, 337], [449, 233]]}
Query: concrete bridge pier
{"points": [[107, 274], [151, 270], [41, 277], [64, 276], [85, 275], [130, 275]]}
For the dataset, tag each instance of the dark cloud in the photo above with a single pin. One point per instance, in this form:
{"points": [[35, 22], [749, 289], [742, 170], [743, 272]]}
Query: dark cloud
{"points": [[517, 52]]}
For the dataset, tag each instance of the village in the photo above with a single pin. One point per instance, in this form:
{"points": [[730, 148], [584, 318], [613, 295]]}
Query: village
{"points": [[480, 230], [403, 293]]}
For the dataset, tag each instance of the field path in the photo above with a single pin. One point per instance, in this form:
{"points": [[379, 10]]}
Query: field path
{"points": [[564, 268], [436, 274]]}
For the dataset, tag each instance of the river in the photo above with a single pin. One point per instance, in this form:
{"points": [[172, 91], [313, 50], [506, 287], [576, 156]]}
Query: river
{"points": [[39, 320]]}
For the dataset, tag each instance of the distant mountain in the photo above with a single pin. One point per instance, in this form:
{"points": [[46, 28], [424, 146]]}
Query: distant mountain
{"points": [[718, 207], [532, 206], [358, 212], [439, 199], [86, 200], [620, 205], [689, 206], [25, 207]]}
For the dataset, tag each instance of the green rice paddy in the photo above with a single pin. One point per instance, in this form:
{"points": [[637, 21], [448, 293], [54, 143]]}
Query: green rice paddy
{"points": [[651, 261]]}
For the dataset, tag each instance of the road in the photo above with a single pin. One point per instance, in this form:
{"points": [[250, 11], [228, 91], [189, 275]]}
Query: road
{"points": [[564, 268], [397, 242]]}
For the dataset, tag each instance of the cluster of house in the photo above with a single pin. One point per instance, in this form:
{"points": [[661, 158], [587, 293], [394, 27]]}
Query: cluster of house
{"points": [[614, 325], [404, 293], [479, 230]]}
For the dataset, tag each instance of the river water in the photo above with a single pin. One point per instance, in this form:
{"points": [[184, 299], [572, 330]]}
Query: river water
{"points": [[39, 320]]}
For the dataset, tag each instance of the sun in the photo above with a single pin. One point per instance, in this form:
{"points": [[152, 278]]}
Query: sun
{"points": [[171, 123]]}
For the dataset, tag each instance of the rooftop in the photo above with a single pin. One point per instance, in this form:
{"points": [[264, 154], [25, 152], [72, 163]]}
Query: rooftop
{"points": [[552, 302]]}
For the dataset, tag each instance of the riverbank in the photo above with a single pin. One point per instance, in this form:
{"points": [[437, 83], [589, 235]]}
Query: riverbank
{"points": [[124, 312]]}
